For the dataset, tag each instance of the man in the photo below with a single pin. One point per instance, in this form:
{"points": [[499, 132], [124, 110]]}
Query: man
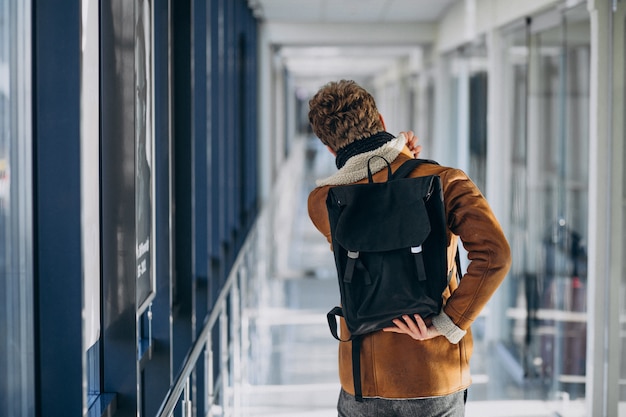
{"points": [[420, 366]]}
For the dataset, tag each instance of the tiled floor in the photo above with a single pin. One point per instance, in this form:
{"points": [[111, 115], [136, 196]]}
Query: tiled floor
{"points": [[292, 363]]}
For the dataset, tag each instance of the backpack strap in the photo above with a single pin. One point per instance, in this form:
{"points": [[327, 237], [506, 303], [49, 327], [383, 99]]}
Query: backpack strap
{"points": [[332, 322], [370, 177], [419, 262], [351, 264], [407, 167], [356, 368], [356, 350]]}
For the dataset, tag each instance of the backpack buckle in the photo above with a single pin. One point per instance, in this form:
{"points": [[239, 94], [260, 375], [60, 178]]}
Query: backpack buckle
{"points": [[416, 249]]}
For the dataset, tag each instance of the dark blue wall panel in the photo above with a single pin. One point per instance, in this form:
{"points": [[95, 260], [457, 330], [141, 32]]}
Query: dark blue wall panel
{"points": [[200, 152], [215, 145], [200, 261], [251, 139], [58, 265], [232, 145], [183, 179], [221, 141], [229, 74]]}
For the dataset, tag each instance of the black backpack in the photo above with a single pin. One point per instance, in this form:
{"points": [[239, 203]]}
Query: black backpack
{"points": [[389, 242]]}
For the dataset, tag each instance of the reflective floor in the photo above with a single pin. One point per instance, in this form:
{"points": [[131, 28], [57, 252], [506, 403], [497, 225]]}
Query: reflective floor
{"points": [[291, 358]]}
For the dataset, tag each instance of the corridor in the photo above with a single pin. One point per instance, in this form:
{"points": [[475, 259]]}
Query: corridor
{"points": [[156, 255], [292, 357]]}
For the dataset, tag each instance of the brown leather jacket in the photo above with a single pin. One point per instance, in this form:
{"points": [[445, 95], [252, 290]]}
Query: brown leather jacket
{"points": [[397, 366]]}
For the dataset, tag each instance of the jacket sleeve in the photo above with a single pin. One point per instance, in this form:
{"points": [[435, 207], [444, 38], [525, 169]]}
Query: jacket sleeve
{"points": [[470, 217], [318, 213]]}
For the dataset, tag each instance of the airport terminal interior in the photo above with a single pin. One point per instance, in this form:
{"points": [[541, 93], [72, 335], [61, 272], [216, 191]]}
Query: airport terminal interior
{"points": [[156, 253]]}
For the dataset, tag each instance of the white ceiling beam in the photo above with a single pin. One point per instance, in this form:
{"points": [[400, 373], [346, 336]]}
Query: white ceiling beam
{"points": [[349, 34]]}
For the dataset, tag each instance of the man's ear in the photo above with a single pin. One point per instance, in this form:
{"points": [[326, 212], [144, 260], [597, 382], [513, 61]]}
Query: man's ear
{"points": [[331, 150], [380, 116]]}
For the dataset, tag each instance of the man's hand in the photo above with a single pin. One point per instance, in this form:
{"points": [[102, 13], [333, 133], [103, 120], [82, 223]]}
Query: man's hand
{"points": [[417, 329], [411, 143]]}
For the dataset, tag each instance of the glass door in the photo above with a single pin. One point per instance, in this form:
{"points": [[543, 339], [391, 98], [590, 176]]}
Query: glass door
{"points": [[515, 337], [557, 205], [547, 76]]}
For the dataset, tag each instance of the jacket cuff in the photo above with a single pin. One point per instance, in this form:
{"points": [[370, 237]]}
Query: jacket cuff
{"points": [[446, 327]]}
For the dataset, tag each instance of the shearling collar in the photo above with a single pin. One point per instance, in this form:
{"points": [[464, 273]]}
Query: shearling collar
{"points": [[355, 168]]}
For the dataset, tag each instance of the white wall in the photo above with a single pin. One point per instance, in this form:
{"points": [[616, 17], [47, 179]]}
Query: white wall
{"points": [[467, 19], [392, 91]]}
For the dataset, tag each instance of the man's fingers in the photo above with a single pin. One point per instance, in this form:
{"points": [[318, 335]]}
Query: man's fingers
{"points": [[393, 330], [420, 323], [411, 143], [402, 325], [414, 327], [416, 331], [411, 325]]}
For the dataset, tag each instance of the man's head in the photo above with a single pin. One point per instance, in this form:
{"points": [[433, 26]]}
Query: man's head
{"points": [[342, 112]]}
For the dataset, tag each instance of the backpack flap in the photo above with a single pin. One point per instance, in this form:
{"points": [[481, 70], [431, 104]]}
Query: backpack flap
{"points": [[379, 217]]}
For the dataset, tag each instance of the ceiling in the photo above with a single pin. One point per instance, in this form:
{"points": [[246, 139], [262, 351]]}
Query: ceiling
{"points": [[321, 40], [343, 11]]}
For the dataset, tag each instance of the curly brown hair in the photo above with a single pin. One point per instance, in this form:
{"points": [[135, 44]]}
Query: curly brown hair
{"points": [[342, 112]]}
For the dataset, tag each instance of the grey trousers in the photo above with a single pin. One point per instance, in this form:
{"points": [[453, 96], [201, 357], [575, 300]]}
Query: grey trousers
{"points": [[452, 405]]}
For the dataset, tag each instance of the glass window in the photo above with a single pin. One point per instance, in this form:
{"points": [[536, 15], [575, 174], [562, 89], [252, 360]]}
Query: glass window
{"points": [[514, 288], [454, 131], [90, 192], [426, 128], [90, 168], [466, 115], [547, 74], [478, 128], [16, 275]]}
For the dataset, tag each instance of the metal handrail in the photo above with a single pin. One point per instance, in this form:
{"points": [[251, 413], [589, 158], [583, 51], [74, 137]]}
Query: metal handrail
{"points": [[230, 289], [193, 355]]}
